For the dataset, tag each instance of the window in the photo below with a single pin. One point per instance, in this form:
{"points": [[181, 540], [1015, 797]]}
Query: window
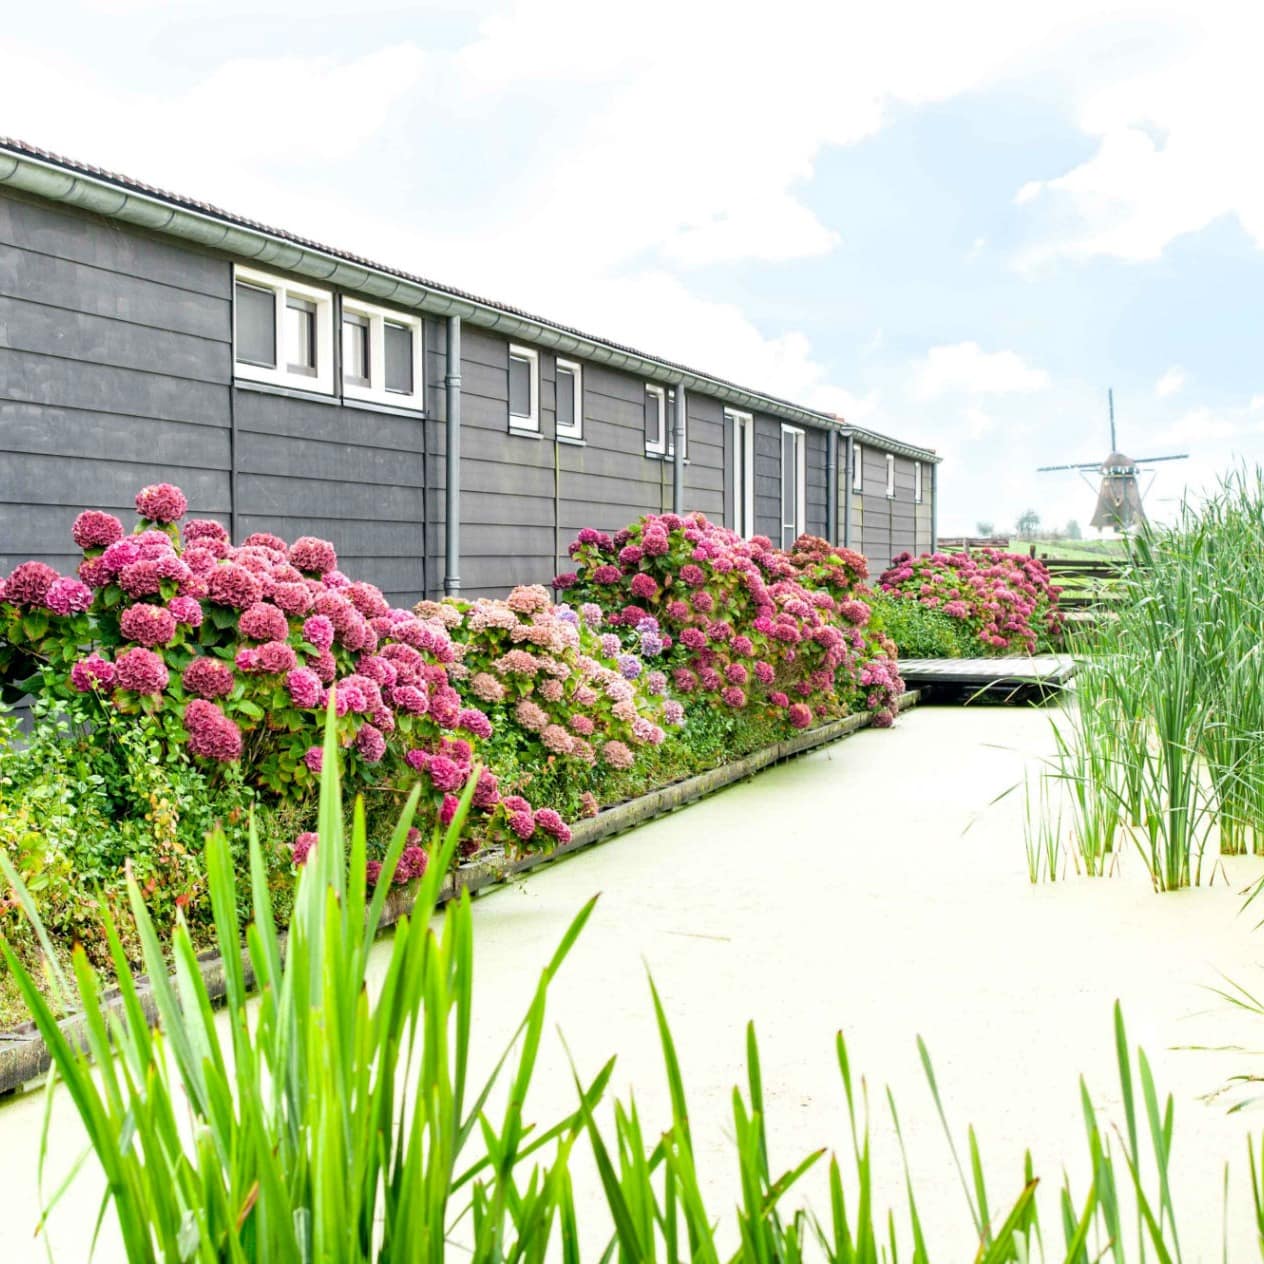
{"points": [[793, 484], [655, 420], [283, 332], [356, 357], [570, 400], [857, 469], [524, 389], [890, 476], [917, 481], [381, 350], [742, 448]]}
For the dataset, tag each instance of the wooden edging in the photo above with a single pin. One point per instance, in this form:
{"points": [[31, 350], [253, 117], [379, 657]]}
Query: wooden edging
{"points": [[24, 1055]]}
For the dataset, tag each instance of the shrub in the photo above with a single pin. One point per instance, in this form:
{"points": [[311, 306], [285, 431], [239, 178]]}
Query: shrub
{"points": [[921, 631], [737, 622], [1005, 599], [234, 651]]}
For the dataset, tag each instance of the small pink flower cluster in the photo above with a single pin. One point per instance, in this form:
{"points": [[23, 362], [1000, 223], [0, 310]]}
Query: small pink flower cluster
{"points": [[1007, 599]]}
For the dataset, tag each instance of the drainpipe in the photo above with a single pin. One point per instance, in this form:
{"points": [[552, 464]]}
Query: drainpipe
{"points": [[452, 488], [847, 483], [831, 486], [934, 506], [678, 464]]}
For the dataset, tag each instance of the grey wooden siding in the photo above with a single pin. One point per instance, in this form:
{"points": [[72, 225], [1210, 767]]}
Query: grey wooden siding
{"points": [[815, 477], [114, 371], [882, 526], [704, 473], [768, 477]]}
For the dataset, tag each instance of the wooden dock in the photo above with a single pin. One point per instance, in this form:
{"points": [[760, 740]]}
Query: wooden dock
{"points": [[1019, 678]]}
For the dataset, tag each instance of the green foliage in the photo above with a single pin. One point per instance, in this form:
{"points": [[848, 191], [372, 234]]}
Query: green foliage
{"points": [[922, 632]]}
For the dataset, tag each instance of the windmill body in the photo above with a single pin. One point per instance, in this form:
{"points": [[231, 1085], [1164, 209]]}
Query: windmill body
{"points": [[1119, 494]]}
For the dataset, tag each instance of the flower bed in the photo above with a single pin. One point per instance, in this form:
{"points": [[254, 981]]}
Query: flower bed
{"points": [[181, 680], [1005, 600]]}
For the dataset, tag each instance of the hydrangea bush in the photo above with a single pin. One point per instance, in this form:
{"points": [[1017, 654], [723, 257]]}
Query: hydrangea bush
{"points": [[236, 649], [736, 622], [1006, 599]]}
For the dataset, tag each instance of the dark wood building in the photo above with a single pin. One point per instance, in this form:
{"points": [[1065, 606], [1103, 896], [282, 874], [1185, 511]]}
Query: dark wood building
{"points": [[439, 439]]}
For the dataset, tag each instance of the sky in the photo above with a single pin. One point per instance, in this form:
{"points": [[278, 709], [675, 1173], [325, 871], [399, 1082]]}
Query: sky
{"points": [[956, 224]]}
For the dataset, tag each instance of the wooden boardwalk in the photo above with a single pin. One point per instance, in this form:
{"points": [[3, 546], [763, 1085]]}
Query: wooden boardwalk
{"points": [[1043, 673]]}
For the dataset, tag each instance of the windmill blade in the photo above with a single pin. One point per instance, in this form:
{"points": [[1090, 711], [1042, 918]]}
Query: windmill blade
{"points": [[1088, 465], [1150, 460]]}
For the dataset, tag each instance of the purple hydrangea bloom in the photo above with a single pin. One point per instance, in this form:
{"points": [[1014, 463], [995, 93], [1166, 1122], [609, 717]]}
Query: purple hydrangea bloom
{"points": [[630, 666]]}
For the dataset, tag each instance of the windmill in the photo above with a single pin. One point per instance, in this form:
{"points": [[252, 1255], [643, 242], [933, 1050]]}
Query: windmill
{"points": [[1119, 494]]}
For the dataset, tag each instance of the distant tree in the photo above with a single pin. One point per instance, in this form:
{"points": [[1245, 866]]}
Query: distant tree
{"points": [[985, 528], [1028, 523], [1073, 531]]}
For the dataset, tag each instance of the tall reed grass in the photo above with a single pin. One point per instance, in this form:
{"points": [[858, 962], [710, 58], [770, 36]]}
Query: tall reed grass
{"points": [[319, 1122], [1164, 743]]}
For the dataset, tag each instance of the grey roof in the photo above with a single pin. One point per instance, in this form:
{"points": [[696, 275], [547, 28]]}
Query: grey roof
{"points": [[108, 193]]}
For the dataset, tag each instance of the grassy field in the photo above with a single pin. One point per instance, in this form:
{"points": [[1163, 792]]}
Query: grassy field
{"points": [[1072, 550]]}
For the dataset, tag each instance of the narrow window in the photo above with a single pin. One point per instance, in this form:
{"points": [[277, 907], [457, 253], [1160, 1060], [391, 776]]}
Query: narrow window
{"points": [[300, 336], [857, 469], [570, 400], [890, 476], [742, 435], [398, 357], [524, 389], [917, 481], [655, 420], [356, 357], [256, 325], [793, 480]]}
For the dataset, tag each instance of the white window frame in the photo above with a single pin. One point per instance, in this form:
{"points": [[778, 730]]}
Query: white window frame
{"points": [[658, 447], [801, 482], [857, 469], [575, 431], [917, 482], [529, 424], [742, 430], [890, 476], [376, 392], [322, 383]]}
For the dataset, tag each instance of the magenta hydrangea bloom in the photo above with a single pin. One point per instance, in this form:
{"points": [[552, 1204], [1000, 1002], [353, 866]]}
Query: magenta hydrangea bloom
{"points": [[314, 758], [141, 671], [617, 755], [412, 862], [673, 712], [313, 556], [305, 688], [445, 774], [293, 598], [550, 821], [92, 672], [204, 529], [186, 611], [140, 578], [302, 846], [276, 656], [319, 631], [208, 678], [67, 596], [487, 792], [370, 743], [148, 625], [263, 622], [95, 529], [29, 583], [800, 715], [264, 540], [161, 502], [212, 735], [474, 722], [234, 586], [522, 823]]}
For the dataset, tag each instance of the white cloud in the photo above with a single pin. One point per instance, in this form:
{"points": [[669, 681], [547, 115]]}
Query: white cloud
{"points": [[1175, 130], [1172, 382], [965, 368]]}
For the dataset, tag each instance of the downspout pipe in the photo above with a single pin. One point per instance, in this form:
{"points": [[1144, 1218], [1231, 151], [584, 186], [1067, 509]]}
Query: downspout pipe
{"points": [[847, 485], [934, 507], [452, 485], [831, 486], [678, 461]]}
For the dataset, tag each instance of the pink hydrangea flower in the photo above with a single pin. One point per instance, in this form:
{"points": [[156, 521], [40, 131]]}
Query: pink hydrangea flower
{"points": [[305, 688], [141, 671], [445, 774], [208, 678], [161, 502], [302, 846], [370, 743], [29, 583], [148, 625], [550, 821], [314, 758], [474, 722], [263, 622], [313, 556], [276, 656], [92, 672], [204, 529], [67, 596], [94, 529], [186, 611], [523, 824], [617, 755], [233, 585], [212, 734]]}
